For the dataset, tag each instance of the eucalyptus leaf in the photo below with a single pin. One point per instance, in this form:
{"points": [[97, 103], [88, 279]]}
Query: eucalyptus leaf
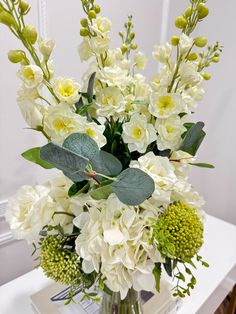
{"points": [[133, 186], [33, 155], [157, 275], [79, 105], [101, 193], [202, 165], [107, 164], [63, 159], [90, 87]]}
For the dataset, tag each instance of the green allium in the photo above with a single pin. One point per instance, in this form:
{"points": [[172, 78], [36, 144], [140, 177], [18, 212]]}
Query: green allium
{"points": [[179, 232], [57, 262]]}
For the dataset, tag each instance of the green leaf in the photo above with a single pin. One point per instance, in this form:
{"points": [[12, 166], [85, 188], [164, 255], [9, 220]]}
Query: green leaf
{"points": [[90, 87], [33, 155], [133, 186], [101, 193], [79, 105], [107, 164], [193, 138], [72, 164], [157, 275], [78, 187], [168, 266], [202, 165]]}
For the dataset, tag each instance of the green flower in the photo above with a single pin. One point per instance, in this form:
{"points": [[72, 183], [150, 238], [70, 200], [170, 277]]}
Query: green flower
{"points": [[57, 262], [179, 232]]}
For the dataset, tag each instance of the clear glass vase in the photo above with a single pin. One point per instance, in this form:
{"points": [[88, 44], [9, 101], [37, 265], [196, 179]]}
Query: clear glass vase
{"points": [[112, 303]]}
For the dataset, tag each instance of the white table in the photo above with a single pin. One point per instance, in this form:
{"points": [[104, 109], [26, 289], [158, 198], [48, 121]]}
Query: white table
{"points": [[219, 251]]}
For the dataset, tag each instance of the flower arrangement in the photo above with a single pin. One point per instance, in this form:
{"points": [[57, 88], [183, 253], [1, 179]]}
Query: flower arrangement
{"points": [[121, 211]]}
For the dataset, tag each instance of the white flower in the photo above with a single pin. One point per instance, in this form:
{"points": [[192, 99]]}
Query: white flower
{"points": [[95, 131], [60, 122], [30, 110], [84, 50], [181, 161], [99, 44], [169, 132], [164, 105], [138, 133], [29, 211], [140, 60], [115, 76], [101, 25], [189, 73], [110, 102], [141, 89], [185, 43], [197, 92], [162, 53], [45, 47], [31, 75], [67, 90]]}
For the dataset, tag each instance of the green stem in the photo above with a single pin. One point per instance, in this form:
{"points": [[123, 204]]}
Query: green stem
{"points": [[44, 99]]}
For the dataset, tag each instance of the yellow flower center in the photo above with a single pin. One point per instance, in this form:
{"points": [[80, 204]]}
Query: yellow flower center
{"points": [[67, 90], [29, 74], [90, 132], [137, 132], [164, 103], [169, 129]]}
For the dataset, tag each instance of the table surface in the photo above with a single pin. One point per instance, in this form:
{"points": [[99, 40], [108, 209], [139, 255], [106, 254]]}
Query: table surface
{"points": [[219, 251]]}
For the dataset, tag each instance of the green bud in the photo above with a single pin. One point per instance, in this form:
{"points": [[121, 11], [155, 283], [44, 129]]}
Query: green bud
{"points": [[124, 48], [203, 11], [7, 19], [188, 12], [16, 56], [97, 9], [30, 34], [129, 23], [215, 59], [192, 56], [84, 22], [206, 76], [181, 22], [132, 35], [134, 46], [174, 40], [121, 34], [201, 54], [23, 6], [92, 14], [216, 54], [84, 32], [200, 41]]}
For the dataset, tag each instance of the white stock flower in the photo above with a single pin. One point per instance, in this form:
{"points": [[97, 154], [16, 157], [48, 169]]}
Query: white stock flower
{"points": [[140, 60], [169, 132], [189, 73], [29, 211], [99, 44], [162, 53], [115, 76], [46, 47], [197, 92], [67, 90], [84, 50], [164, 105], [31, 75], [101, 25], [185, 43], [110, 102], [138, 133]]}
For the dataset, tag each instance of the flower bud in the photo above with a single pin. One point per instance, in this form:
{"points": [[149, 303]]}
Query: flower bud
{"points": [[84, 22], [200, 41], [16, 56], [201, 54], [92, 14], [124, 48], [132, 35], [203, 11], [174, 40], [134, 46], [30, 34], [215, 60], [206, 76], [181, 22], [46, 47], [121, 34], [84, 32], [192, 56], [23, 7], [188, 12], [129, 23], [7, 19], [97, 9]]}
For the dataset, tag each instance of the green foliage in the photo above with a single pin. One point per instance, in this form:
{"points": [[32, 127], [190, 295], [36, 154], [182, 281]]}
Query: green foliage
{"points": [[101, 193], [107, 164], [133, 186], [33, 155], [78, 187], [157, 275], [90, 87], [193, 139], [202, 165]]}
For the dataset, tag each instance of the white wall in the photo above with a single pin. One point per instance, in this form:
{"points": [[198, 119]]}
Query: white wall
{"points": [[217, 110]]}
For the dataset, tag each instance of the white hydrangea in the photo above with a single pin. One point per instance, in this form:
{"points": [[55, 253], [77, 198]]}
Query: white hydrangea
{"points": [[162, 53], [116, 236], [181, 161], [67, 90], [31, 75], [169, 132], [138, 133]]}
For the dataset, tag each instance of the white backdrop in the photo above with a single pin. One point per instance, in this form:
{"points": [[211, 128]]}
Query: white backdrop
{"points": [[218, 109]]}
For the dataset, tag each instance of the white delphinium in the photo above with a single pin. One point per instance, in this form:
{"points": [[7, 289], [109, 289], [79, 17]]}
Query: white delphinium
{"points": [[185, 43], [115, 76], [31, 75], [95, 131], [29, 211], [101, 25], [116, 236], [164, 105], [138, 133], [46, 47], [140, 61], [67, 90], [169, 132], [141, 89], [110, 102], [162, 53], [189, 73], [84, 50]]}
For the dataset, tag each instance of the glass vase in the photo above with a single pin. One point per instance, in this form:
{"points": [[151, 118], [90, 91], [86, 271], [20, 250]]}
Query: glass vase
{"points": [[112, 303]]}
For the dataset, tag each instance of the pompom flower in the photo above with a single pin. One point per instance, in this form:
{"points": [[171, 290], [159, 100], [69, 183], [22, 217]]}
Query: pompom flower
{"points": [[179, 232]]}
